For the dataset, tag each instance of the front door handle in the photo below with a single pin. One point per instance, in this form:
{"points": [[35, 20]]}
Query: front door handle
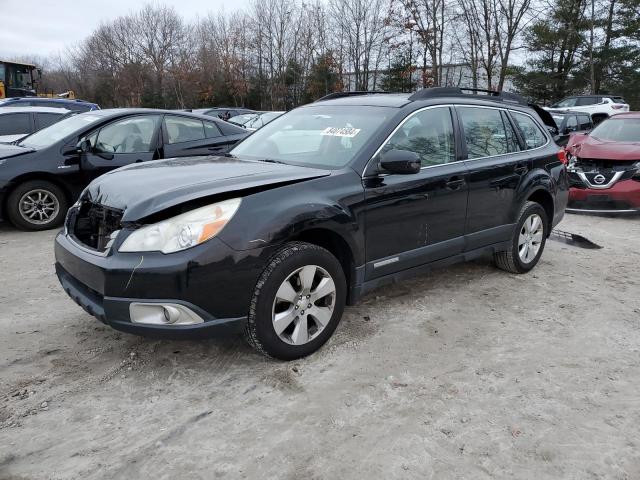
{"points": [[454, 183]]}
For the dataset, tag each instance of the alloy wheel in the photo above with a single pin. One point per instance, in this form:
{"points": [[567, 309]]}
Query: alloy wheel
{"points": [[530, 238], [304, 305], [39, 206]]}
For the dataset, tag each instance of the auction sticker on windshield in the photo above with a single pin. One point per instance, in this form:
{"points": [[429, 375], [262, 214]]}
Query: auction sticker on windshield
{"points": [[340, 132]]}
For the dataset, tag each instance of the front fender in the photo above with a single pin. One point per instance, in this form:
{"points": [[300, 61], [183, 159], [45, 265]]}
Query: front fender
{"points": [[275, 216]]}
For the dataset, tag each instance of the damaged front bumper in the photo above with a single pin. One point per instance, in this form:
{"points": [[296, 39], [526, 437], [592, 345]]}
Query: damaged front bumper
{"points": [[601, 186], [203, 290]]}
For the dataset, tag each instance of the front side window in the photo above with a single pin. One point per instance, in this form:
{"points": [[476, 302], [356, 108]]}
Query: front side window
{"points": [[429, 133], [487, 132], [131, 135], [14, 124], [532, 133], [323, 136], [572, 123], [181, 129]]}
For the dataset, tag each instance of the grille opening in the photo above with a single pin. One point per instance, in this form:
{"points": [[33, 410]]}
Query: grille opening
{"points": [[95, 225]]}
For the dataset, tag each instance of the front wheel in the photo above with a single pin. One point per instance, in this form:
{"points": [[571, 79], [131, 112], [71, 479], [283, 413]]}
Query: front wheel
{"points": [[37, 205], [528, 241], [297, 303]]}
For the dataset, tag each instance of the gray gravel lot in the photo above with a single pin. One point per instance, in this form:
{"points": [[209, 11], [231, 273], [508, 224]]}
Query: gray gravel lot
{"points": [[468, 373]]}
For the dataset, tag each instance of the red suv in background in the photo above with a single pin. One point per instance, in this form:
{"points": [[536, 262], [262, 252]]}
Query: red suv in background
{"points": [[604, 167]]}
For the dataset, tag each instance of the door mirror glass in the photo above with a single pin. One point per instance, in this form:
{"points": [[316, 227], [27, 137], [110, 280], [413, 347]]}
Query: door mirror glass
{"points": [[403, 162]]}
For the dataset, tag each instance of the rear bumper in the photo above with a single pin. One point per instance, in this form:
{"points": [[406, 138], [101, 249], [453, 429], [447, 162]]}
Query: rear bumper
{"points": [[211, 280], [623, 197]]}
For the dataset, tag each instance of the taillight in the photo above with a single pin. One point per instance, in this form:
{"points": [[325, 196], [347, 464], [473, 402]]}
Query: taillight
{"points": [[617, 106], [562, 156]]}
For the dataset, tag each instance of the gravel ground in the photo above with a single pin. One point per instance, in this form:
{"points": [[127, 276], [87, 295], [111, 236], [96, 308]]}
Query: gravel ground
{"points": [[468, 373]]}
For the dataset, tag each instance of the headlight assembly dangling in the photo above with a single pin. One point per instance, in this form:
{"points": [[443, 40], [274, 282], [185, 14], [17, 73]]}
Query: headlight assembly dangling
{"points": [[182, 231]]}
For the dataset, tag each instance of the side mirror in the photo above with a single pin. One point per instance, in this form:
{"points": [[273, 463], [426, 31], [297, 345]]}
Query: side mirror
{"points": [[402, 162], [84, 146]]}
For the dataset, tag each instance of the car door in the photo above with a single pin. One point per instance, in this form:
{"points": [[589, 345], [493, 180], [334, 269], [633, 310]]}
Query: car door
{"points": [[124, 141], [184, 136], [415, 219], [496, 163]]}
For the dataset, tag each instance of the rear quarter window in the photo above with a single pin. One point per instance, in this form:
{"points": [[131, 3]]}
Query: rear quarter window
{"points": [[532, 133]]}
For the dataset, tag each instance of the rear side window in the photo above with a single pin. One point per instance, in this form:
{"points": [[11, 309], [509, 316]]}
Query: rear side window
{"points": [[428, 133], [586, 101], [46, 119], [211, 130], [15, 123], [618, 100], [487, 132], [228, 129], [532, 133], [180, 129]]}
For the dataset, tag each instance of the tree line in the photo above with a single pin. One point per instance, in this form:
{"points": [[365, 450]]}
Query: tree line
{"points": [[277, 54]]}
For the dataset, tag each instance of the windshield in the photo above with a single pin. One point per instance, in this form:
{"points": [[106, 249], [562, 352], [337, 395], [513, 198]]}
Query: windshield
{"points": [[316, 135], [618, 130], [50, 135]]}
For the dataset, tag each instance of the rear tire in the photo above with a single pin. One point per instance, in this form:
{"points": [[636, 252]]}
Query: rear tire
{"points": [[37, 205], [297, 303], [528, 240]]}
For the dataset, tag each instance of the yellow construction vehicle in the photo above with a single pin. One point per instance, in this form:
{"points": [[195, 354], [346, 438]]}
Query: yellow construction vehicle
{"points": [[22, 79]]}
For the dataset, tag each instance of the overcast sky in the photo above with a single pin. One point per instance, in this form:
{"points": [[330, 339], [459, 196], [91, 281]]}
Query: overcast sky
{"points": [[46, 27]]}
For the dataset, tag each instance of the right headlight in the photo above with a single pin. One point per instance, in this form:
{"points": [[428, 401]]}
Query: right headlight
{"points": [[182, 231]]}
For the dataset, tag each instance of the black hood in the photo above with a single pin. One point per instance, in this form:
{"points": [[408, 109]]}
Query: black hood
{"points": [[143, 189], [8, 151]]}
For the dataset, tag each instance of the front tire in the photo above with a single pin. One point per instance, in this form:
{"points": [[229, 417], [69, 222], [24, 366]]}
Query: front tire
{"points": [[37, 205], [527, 242], [297, 303]]}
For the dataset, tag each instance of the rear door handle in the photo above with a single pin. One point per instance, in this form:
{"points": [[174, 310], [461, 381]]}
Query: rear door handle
{"points": [[454, 183]]}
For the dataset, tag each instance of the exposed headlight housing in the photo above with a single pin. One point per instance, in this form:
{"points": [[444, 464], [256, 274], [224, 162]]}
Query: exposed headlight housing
{"points": [[183, 231]]}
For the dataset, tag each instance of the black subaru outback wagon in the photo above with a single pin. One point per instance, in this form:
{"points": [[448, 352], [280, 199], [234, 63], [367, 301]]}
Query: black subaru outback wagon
{"points": [[310, 212]]}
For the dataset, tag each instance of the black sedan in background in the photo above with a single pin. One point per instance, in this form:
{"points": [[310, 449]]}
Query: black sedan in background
{"points": [[43, 174], [570, 122]]}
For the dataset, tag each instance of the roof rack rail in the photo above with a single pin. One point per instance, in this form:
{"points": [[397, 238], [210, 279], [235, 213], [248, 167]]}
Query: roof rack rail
{"points": [[331, 96], [434, 92]]}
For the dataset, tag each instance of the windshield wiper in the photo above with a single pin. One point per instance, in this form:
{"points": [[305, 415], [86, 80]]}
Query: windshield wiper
{"points": [[271, 160]]}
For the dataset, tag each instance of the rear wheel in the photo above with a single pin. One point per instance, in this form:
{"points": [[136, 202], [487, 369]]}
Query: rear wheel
{"points": [[297, 303], [37, 205], [528, 241]]}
